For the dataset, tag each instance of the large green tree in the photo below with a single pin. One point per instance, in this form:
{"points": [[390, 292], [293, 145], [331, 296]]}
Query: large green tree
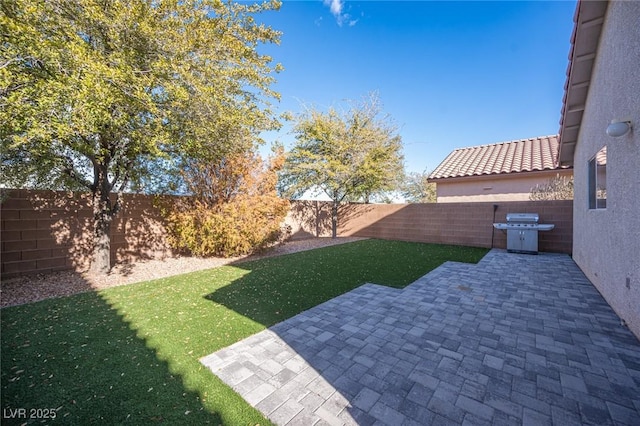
{"points": [[347, 155], [95, 94]]}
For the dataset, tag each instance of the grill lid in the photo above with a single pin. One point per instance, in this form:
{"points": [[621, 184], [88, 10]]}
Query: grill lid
{"points": [[522, 217]]}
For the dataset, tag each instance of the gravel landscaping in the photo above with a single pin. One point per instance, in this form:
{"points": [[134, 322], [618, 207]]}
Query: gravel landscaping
{"points": [[32, 288]]}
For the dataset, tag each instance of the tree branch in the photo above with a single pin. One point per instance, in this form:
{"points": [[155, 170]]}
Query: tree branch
{"points": [[70, 170]]}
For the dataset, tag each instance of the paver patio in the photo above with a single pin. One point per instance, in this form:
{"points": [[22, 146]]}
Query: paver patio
{"points": [[515, 339]]}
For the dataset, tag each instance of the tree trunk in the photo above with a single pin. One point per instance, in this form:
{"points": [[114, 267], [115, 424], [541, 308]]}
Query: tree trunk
{"points": [[102, 217], [334, 220]]}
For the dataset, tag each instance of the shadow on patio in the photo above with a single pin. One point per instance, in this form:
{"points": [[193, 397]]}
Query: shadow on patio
{"points": [[515, 339]]}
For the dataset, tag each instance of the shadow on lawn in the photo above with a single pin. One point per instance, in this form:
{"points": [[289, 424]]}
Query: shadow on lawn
{"points": [[78, 360], [280, 288], [251, 298], [424, 352]]}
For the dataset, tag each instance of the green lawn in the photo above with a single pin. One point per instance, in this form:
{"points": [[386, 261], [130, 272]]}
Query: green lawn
{"points": [[130, 354]]}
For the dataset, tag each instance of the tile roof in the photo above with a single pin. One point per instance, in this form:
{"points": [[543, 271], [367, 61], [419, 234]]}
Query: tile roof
{"points": [[523, 155]]}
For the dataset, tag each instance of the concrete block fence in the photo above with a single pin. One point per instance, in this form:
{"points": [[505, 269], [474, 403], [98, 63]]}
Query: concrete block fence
{"points": [[45, 231], [469, 224]]}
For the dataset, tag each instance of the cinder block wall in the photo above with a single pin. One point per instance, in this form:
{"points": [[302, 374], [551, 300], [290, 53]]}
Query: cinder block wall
{"points": [[445, 223], [44, 231]]}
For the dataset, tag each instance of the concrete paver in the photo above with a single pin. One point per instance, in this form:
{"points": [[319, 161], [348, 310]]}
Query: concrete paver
{"points": [[515, 339]]}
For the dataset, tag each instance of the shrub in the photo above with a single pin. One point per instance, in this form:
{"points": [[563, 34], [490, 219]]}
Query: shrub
{"points": [[557, 188], [235, 209]]}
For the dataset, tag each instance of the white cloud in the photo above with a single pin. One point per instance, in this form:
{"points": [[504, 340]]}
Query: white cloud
{"points": [[336, 7]]}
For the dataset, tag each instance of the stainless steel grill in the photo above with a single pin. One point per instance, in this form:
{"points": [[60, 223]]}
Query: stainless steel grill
{"points": [[522, 232]]}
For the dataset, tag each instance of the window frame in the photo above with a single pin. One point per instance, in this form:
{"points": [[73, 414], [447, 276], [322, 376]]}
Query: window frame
{"points": [[597, 167]]}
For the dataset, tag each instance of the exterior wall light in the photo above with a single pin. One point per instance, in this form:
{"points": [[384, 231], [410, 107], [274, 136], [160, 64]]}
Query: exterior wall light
{"points": [[618, 128]]}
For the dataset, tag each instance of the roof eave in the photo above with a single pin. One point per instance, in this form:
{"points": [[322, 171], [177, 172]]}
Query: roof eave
{"points": [[508, 175], [589, 19]]}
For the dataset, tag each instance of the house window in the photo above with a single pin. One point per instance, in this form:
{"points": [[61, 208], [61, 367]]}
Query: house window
{"points": [[598, 180]]}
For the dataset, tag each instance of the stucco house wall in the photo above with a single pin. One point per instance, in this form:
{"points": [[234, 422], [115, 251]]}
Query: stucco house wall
{"points": [[606, 242], [507, 187]]}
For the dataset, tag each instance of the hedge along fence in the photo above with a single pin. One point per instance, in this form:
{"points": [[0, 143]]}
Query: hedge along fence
{"points": [[45, 231]]}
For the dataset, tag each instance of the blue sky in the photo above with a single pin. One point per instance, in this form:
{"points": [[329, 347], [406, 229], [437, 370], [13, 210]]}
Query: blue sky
{"points": [[451, 74]]}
